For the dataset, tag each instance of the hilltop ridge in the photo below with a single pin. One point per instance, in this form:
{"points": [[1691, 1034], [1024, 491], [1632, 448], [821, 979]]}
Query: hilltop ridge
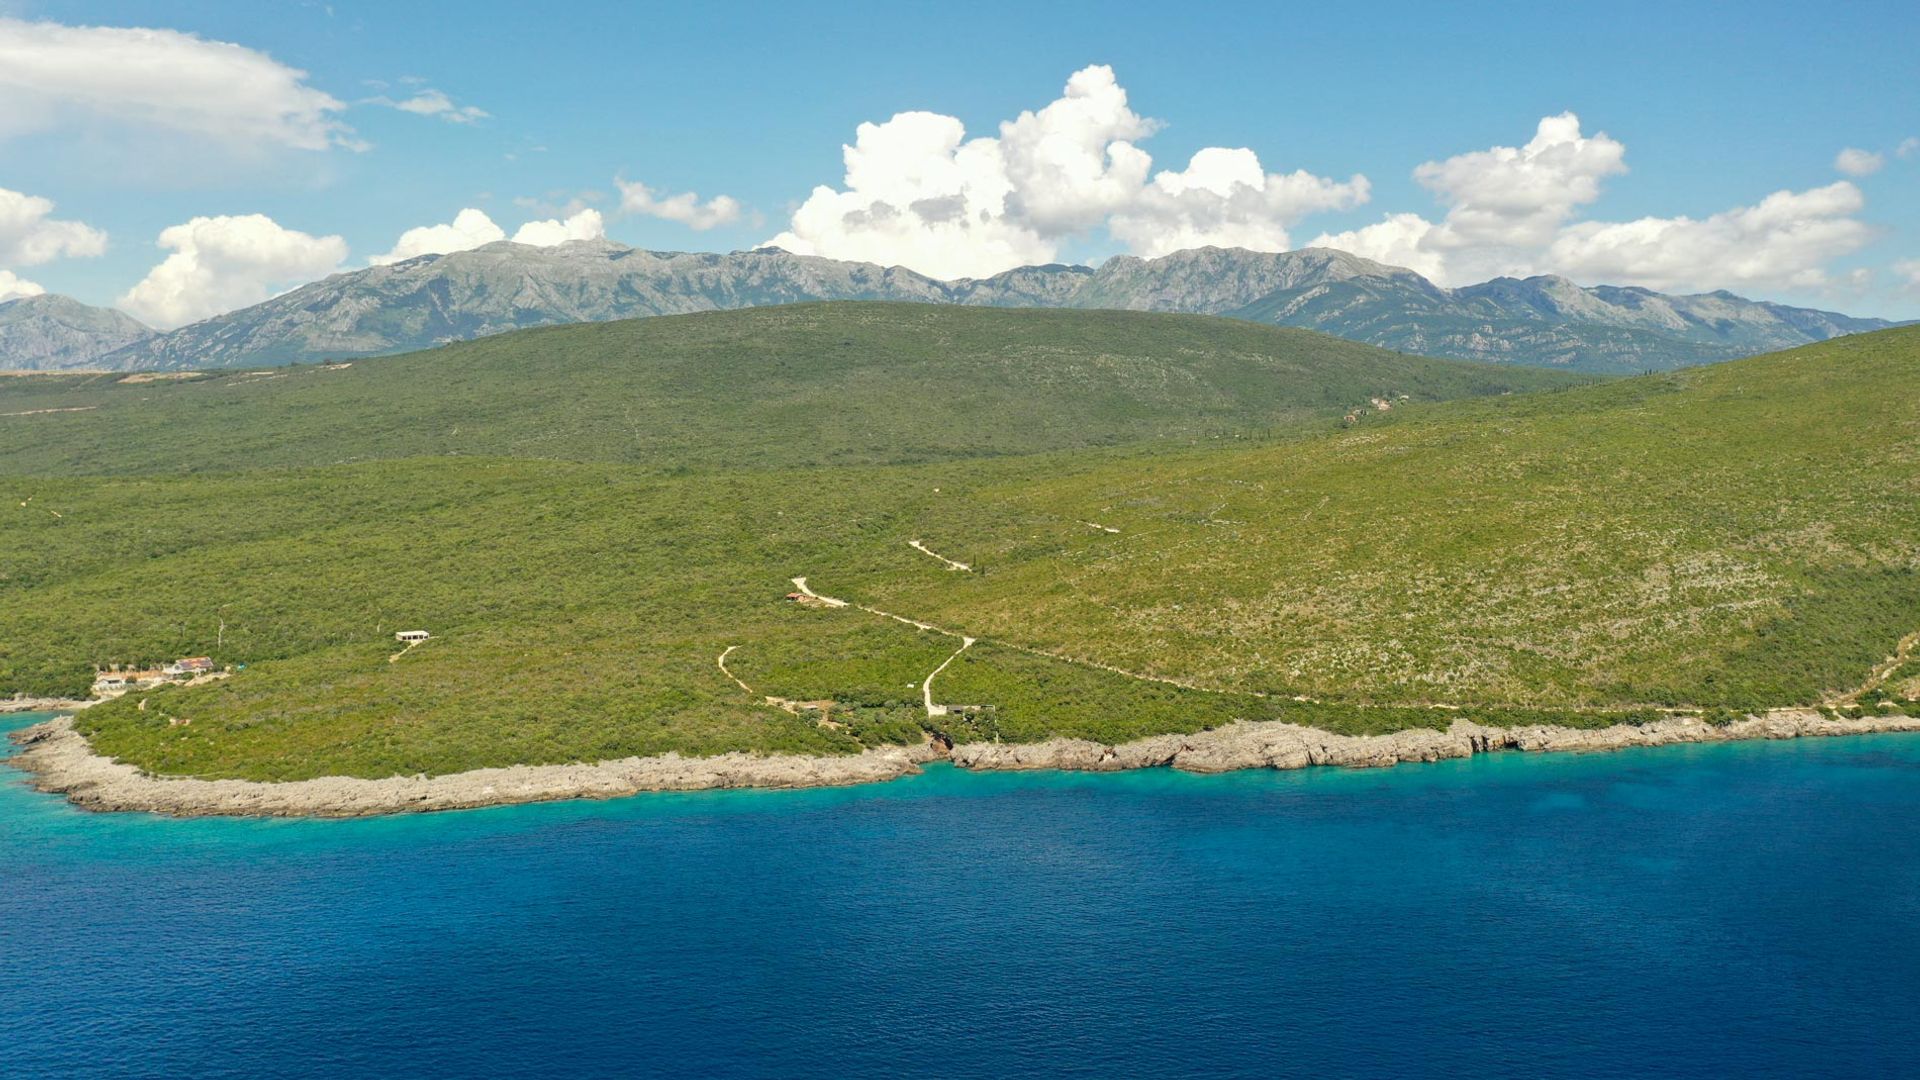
{"points": [[824, 384], [436, 299]]}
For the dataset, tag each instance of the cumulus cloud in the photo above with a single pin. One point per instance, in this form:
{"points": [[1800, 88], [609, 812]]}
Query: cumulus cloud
{"points": [[685, 208], [918, 192], [1908, 147], [918, 197], [53, 76], [582, 225], [1511, 211], [1225, 199], [1503, 204], [1516, 197], [30, 235], [1783, 241], [13, 287], [222, 263], [434, 103], [1908, 270], [470, 228], [1857, 162], [1402, 239]]}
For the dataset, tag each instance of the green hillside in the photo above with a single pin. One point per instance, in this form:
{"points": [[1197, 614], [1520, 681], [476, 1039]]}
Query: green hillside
{"points": [[1727, 537], [1743, 535], [811, 384]]}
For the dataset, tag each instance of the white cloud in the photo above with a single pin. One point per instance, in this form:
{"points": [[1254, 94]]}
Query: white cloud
{"points": [[470, 229], [1857, 162], [1070, 164], [920, 198], [1397, 240], [434, 103], [919, 193], [1224, 199], [1908, 147], [29, 235], [1511, 210], [13, 287], [1509, 196], [1909, 272], [1782, 242], [222, 263], [685, 208], [583, 225], [54, 76], [1503, 205]]}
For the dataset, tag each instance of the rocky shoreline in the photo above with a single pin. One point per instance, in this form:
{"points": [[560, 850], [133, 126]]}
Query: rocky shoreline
{"points": [[41, 704], [59, 759]]}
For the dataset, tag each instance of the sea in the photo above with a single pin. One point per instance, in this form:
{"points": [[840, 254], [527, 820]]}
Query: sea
{"points": [[1736, 910]]}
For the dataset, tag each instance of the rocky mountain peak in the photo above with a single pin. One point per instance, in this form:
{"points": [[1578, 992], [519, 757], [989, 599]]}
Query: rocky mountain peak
{"points": [[50, 332]]}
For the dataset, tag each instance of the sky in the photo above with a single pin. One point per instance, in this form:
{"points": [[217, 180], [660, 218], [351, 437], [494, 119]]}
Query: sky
{"points": [[182, 159]]}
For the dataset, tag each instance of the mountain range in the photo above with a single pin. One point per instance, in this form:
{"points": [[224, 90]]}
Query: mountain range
{"points": [[434, 299]]}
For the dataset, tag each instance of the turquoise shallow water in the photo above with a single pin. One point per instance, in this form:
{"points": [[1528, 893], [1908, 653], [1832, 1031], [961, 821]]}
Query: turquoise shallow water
{"points": [[1746, 909]]}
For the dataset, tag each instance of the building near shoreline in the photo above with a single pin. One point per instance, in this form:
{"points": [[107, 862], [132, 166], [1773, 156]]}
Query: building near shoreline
{"points": [[118, 680]]}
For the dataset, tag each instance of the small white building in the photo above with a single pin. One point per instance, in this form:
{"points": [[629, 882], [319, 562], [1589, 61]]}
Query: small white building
{"points": [[412, 637]]}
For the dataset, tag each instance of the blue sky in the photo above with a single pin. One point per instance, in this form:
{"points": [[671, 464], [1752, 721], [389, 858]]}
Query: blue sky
{"points": [[1707, 110]]}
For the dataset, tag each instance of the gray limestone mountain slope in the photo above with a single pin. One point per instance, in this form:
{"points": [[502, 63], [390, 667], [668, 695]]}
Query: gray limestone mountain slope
{"points": [[55, 333], [435, 299]]}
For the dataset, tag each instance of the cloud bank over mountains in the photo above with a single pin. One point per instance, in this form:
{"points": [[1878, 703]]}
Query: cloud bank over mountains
{"points": [[917, 189], [918, 192], [222, 263], [1511, 211]]}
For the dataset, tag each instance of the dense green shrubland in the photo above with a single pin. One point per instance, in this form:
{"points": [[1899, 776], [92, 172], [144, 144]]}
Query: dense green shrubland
{"points": [[1724, 538]]}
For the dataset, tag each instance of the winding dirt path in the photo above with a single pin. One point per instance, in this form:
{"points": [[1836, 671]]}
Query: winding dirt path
{"points": [[830, 601], [926, 686], [801, 584], [43, 412], [721, 662], [1883, 670], [1906, 648], [951, 564]]}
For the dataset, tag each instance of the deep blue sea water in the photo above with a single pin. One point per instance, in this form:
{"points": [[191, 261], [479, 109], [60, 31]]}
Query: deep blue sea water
{"points": [[1739, 910]]}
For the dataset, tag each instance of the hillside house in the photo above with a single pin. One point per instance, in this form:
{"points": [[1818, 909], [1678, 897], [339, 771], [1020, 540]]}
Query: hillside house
{"points": [[116, 681], [190, 666], [411, 637]]}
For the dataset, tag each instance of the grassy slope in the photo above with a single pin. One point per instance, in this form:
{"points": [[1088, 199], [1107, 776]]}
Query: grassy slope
{"points": [[809, 384], [1746, 534]]}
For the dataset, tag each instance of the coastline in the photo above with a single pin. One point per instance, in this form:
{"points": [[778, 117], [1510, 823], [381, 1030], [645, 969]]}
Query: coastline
{"points": [[59, 759], [42, 704]]}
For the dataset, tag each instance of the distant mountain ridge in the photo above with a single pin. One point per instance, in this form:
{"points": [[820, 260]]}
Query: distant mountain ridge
{"points": [[436, 299], [57, 333]]}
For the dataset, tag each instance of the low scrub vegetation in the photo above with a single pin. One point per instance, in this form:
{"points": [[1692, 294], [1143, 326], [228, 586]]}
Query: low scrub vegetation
{"points": [[1720, 540]]}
